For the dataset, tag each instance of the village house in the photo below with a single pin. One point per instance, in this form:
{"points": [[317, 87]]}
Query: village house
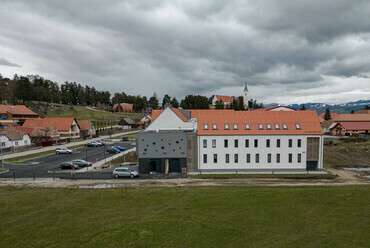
{"points": [[66, 126], [11, 139], [127, 123], [123, 107], [16, 114], [351, 125], [87, 129]]}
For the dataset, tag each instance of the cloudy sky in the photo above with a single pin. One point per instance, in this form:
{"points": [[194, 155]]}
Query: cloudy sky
{"points": [[287, 51]]}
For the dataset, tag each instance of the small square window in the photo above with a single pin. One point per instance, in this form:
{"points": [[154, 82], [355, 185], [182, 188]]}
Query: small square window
{"points": [[269, 126], [297, 126], [214, 126], [285, 126], [226, 126], [205, 127], [277, 127], [247, 127], [260, 126], [235, 126]]}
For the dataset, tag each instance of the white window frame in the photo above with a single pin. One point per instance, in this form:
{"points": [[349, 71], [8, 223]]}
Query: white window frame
{"points": [[247, 127], [205, 126], [226, 126], [260, 126], [235, 126], [214, 126]]}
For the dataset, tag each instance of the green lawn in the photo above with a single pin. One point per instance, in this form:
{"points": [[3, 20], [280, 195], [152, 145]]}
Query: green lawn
{"points": [[186, 217], [277, 176], [129, 136]]}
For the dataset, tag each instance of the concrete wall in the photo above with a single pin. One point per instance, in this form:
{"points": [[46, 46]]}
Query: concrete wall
{"points": [[144, 165], [262, 150]]}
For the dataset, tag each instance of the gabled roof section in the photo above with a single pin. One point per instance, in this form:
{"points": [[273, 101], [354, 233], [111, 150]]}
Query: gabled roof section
{"points": [[351, 126], [16, 110], [58, 123], [84, 125], [169, 119], [307, 120], [13, 134], [225, 98], [274, 108], [157, 112], [353, 117]]}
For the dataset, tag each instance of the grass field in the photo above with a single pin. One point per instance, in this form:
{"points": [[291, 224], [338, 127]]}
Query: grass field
{"points": [[340, 154], [277, 176], [186, 217], [129, 136], [82, 113]]}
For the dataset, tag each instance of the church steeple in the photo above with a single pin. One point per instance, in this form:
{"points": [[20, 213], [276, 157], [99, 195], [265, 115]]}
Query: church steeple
{"points": [[245, 96]]}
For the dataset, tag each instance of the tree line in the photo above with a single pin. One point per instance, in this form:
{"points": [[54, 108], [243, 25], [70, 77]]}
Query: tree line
{"points": [[22, 89]]}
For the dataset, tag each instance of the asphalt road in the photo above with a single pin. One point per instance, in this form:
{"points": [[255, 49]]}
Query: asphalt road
{"points": [[40, 167]]}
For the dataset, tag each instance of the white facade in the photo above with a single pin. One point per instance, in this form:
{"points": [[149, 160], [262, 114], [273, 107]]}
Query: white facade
{"points": [[168, 120], [263, 151], [5, 142], [282, 108]]}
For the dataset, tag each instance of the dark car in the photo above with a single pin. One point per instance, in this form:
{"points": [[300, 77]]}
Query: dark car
{"points": [[81, 163], [124, 138], [92, 144], [68, 166], [120, 148], [112, 150]]}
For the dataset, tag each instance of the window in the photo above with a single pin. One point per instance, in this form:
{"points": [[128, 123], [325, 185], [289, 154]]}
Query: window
{"points": [[16, 143], [213, 143], [236, 158], [248, 158], [247, 126], [215, 158], [226, 143], [214, 126], [299, 158], [204, 143], [2, 143], [268, 143], [247, 143], [285, 126], [290, 157], [257, 158], [226, 126], [236, 143], [278, 143], [205, 158], [269, 126], [235, 126], [205, 126], [269, 158], [277, 126], [297, 126], [227, 158], [299, 142], [278, 158], [290, 142], [26, 142], [256, 143], [260, 126]]}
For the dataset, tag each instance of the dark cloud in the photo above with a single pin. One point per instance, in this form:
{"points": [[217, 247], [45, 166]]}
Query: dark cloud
{"points": [[7, 63], [183, 47]]}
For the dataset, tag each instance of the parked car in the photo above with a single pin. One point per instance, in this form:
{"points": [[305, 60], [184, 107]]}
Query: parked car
{"points": [[92, 144], [63, 150], [112, 150], [124, 172], [68, 165], [101, 143], [81, 163], [120, 148], [124, 138]]}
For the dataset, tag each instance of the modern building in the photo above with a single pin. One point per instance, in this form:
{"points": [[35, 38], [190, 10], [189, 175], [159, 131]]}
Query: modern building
{"points": [[228, 141], [16, 113]]}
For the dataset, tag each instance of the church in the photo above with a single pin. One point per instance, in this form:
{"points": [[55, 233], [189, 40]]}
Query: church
{"points": [[227, 100]]}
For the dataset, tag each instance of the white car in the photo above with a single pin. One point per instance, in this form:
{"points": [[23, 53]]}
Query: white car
{"points": [[62, 150]]}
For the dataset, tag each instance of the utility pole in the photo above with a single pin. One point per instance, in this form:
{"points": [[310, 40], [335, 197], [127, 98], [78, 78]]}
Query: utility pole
{"points": [[1, 149]]}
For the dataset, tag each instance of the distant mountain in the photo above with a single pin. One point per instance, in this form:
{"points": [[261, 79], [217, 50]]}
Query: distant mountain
{"points": [[343, 108]]}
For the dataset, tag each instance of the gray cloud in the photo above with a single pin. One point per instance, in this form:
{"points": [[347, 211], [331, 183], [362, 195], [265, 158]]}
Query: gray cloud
{"points": [[7, 63], [182, 47]]}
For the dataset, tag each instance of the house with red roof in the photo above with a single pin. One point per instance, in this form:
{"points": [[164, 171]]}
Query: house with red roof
{"points": [[16, 113], [227, 141], [87, 129], [123, 107], [67, 127], [11, 138], [226, 100], [351, 125]]}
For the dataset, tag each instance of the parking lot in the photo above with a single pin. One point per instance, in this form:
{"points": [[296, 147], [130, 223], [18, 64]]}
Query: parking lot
{"points": [[42, 167]]}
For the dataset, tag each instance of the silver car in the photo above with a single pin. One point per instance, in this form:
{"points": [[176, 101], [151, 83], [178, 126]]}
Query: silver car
{"points": [[124, 172], [63, 150]]}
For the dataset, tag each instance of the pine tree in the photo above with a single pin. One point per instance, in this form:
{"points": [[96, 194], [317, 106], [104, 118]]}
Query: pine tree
{"points": [[327, 115]]}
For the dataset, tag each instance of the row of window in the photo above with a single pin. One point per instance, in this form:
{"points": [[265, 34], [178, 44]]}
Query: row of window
{"points": [[247, 126], [256, 158], [236, 143]]}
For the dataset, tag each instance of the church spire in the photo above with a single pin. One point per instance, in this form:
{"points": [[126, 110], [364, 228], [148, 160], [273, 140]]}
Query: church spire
{"points": [[245, 87]]}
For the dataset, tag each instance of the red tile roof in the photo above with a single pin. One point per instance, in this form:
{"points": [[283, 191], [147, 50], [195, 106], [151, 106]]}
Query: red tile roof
{"points": [[308, 121], [124, 106], [332, 115], [60, 123], [84, 125], [352, 117], [16, 110], [225, 98], [271, 108], [362, 126]]}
